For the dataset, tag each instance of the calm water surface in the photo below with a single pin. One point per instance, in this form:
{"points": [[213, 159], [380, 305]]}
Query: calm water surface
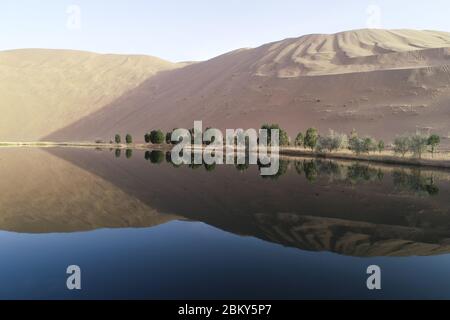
{"points": [[140, 227]]}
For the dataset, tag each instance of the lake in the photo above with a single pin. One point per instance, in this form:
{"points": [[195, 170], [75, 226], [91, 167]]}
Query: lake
{"points": [[140, 227]]}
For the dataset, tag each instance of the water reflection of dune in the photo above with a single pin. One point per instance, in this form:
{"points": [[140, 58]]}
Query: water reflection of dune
{"points": [[351, 237], [41, 193], [345, 208]]}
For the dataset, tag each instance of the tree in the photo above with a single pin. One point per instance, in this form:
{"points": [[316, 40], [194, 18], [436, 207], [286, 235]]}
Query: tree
{"points": [[300, 140], [370, 145], [381, 146], [157, 137], [402, 145], [118, 139], [311, 138], [418, 144], [147, 137], [169, 138], [333, 141], [284, 137], [129, 139], [362, 145], [433, 141]]}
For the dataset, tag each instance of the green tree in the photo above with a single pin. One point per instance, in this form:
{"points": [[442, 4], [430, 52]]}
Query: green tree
{"points": [[381, 146], [147, 138], [370, 145], [118, 139], [433, 141], [418, 144], [311, 138], [169, 138], [157, 137], [129, 139], [402, 145], [333, 141], [284, 137], [300, 140]]}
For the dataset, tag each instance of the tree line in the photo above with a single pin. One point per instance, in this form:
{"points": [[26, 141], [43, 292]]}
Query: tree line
{"points": [[416, 144]]}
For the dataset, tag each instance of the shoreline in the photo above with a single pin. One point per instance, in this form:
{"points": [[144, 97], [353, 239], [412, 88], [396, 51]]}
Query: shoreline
{"points": [[387, 157]]}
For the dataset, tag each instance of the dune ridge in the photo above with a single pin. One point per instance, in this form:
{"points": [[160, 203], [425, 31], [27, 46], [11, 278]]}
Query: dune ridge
{"points": [[354, 51]]}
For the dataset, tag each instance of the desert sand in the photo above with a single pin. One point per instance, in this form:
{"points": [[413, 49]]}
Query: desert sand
{"points": [[380, 82], [45, 90]]}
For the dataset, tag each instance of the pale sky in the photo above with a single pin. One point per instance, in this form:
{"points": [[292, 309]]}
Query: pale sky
{"points": [[198, 29]]}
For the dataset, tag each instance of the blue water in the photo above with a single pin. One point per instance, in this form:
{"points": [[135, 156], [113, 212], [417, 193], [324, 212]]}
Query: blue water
{"points": [[185, 260], [140, 228]]}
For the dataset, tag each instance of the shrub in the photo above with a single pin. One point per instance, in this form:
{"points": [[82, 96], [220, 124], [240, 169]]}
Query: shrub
{"points": [[147, 138], [118, 139]]}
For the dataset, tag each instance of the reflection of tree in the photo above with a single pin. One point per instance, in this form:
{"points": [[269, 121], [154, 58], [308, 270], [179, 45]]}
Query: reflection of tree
{"points": [[415, 182], [242, 167], [118, 153], [129, 153], [299, 167], [210, 167], [155, 156], [311, 170], [169, 160], [284, 166], [358, 173], [331, 169], [355, 173]]}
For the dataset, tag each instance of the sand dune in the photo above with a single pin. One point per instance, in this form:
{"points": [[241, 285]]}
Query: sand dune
{"points": [[355, 51], [379, 82], [45, 90]]}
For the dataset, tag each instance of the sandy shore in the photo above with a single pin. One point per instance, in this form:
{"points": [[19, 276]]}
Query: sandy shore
{"points": [[440, 159]]}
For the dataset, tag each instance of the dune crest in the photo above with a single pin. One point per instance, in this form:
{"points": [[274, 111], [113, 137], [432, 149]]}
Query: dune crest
{"points": [[353, 51]]}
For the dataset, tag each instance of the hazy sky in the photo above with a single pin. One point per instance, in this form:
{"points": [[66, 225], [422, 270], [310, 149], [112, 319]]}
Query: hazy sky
{"points": [[198, 29]]}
